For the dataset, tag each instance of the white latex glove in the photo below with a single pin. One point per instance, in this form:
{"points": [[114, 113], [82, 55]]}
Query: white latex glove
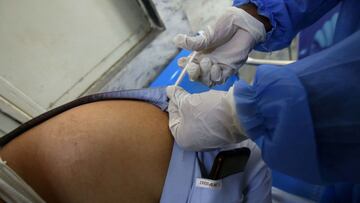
{"points": [[203, 121], [223, 48]]}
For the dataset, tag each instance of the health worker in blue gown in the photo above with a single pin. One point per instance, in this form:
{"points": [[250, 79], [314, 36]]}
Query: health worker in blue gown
{"points": [[305, 116]]}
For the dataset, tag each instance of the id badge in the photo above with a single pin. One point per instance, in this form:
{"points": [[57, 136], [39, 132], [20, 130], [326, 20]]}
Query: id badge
{"points": [[209, 184]]}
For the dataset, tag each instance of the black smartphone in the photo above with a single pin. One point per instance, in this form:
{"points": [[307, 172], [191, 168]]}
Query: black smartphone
{"points": [[229, 162]]}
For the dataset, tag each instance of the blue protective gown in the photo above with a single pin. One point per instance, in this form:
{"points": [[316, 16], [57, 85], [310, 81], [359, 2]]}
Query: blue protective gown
{"points": [[306, 116]]}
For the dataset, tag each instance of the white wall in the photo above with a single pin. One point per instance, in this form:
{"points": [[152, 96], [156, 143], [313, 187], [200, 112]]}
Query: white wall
{"points": [[52, 51], [55, 49]]}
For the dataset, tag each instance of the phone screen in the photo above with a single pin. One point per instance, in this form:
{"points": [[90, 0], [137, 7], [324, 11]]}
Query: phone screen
{"points": [[229, 162]]}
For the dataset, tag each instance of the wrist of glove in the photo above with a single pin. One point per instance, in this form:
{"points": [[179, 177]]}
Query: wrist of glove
{"points": [[203, 121], [223, 48]]}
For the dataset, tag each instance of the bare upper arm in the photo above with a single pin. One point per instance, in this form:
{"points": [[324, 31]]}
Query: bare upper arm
{"points": [[113, 151]]}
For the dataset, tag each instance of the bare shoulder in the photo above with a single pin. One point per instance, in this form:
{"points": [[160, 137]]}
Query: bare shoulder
{"points": [[118, 150]]}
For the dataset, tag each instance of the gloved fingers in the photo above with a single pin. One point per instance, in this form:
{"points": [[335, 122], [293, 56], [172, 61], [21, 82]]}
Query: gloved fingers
{"points": [[205, 68], [216, 74], [220, 73], [194, 71], [222, 31], [205, 63], [175, 119], [227, 72], [176, 95], [182, 61], [193, 68], [196, 43], [211, 37]]}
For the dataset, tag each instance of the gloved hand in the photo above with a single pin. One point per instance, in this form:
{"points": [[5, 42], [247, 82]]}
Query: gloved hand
{"points": [[203, 121], [223, 48]]}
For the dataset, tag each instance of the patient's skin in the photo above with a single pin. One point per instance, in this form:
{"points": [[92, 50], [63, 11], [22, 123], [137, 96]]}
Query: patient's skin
{"points": [[110, 151]]}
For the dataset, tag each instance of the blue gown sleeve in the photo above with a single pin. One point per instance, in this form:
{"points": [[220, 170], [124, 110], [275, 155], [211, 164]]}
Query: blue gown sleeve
{"points": [[306, 116], [287, 18], [274, 112]]}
